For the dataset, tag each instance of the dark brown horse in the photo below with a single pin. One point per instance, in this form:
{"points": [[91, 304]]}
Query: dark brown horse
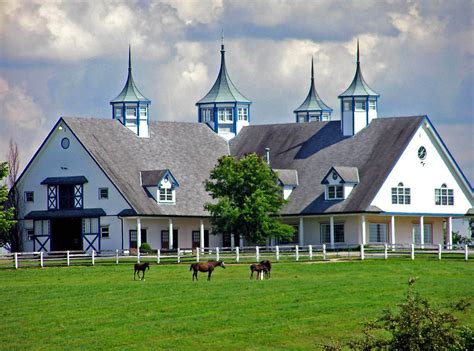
{"points": [[205, 267], [140, 267], [268, 264], [259, 268]]}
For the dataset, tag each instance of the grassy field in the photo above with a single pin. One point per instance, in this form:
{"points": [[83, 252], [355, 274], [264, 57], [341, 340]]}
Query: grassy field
{"points": [[302, 306]]}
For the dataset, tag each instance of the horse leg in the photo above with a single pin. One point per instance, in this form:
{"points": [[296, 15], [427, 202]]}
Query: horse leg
{"points": [[143, 275], [135, 272], [209, 274]]}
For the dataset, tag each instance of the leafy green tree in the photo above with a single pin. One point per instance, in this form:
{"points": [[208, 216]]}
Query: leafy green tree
{"points": [[6, 212], [248, 199]]}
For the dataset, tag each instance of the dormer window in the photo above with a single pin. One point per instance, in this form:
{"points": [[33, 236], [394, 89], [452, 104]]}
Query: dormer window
{"points": [[335, 192], [160, 184]]}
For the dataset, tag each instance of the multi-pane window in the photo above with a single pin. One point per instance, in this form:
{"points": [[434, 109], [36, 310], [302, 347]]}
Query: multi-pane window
{"points": [[335, 192], [301, 117], [143, 112], [225, 114], [360, 105], [378, 232], [347, 105], [29, 196], [372, 104], [427, 233], [206, 114], [401, 195], [444, 196], [118, 112], [105, 231], [326, 233], [243, 114], [314, 117], [166, 195], [325, 116], [103, 193], [131, 115]]}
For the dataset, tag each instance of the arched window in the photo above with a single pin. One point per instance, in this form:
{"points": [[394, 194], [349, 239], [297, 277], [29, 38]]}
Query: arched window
{"points": [[444, 196], [401, 195]]}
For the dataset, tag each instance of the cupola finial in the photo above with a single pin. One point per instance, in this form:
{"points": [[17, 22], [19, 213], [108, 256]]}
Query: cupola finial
{"points": [[312, 68], [129, 58], [222, 40], [358, 60]]}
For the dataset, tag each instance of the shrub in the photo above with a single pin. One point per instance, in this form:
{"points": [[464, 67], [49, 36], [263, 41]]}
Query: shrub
{"points": [[146, 248]]}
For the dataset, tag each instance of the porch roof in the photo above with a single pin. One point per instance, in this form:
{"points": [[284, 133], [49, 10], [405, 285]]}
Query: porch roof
{"points": [[81, 213]]}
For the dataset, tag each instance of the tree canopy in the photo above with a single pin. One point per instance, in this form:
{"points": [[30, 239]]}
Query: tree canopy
{"points": [[249, 199], [6, 212]]}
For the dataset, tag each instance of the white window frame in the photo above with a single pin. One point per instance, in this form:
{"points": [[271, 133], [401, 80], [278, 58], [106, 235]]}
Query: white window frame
{"points": [[401, 195], [143, 115], [166, 195], [325, 116], [118, 112], [347, 105], [444, 196], [32, 193], [428, 233], [105, 231], [301, 117], [334, 187], [314, 117], [327, 235], [130, 119], [360, 105], [206, 115], [372, 105], [379, 239], [225, 114], [101, 196], [243, 113]]}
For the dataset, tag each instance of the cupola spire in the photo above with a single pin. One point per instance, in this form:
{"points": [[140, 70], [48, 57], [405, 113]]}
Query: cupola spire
{"points": [[313, 107], [358, 102], [224, 108], [130, 107]]}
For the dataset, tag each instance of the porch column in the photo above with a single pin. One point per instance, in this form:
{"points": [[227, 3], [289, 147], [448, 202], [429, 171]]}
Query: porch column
{"points": [[392, 230], [364, 231], [331, 231], [301, 233], [449, 233], [422, 231], [232, 240], [170, 233], [139, 233], [201, 233]]}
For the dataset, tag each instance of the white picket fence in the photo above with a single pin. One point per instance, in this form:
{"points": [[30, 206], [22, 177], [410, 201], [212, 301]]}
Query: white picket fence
{"points": [[237, 254]]}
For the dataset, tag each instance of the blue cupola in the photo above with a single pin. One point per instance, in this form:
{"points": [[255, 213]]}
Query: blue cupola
{"points": [[224, 108], [130, 107], [313, 107], [358, 103]]}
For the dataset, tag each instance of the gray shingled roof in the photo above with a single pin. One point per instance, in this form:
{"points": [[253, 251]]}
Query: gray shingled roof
{"points": [[223, 89], [189, 150], [313, 102], [130, 92], [153, 177], [312, 148], [358, 87], [287, 176]]}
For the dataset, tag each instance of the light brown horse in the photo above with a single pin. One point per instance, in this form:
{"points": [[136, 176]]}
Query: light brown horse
{"points": [[205, 267], [260, 269]]}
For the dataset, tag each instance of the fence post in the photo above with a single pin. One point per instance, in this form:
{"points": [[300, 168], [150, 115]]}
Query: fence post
{"points": [[138, 255], [277, 251], [466, 252], [324, 252], [16, 259], [67, 258], [297, 253], [362, 254], [439, 251], [197, 254], [93, 257], [257, 253], [116, 257], [158, 255], [178, 256], [412, 251], [310, 248], [385, 254], [41, 259], [217, 254], [237, 254]]}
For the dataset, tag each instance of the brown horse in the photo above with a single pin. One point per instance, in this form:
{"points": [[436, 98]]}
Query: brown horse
{"points": [[140, 267], [205, 267], [259, 268], [268, 264]]}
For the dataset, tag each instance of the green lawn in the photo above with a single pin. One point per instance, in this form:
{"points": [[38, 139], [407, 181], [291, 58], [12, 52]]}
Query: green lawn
{"points": [[301, 306]]}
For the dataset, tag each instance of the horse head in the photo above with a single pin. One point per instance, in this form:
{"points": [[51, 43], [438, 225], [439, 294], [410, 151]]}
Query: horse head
{"points": [[222, 264]]}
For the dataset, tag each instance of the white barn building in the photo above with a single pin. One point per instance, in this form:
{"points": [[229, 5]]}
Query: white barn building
{"points": [[106, 184]]}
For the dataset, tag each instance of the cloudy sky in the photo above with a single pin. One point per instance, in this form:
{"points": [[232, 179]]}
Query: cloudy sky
{"points": [[69, 58]]}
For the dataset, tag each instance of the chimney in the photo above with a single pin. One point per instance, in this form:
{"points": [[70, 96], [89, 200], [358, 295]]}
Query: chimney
{"points": [[267, 152]]}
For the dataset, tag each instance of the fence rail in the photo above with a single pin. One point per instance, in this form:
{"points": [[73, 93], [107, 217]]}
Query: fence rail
{"points": [[244, 254]]}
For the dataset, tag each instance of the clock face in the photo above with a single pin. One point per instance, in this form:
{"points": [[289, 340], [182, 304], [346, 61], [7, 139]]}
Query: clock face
{"points": [[422, 153], [65, 143]]}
